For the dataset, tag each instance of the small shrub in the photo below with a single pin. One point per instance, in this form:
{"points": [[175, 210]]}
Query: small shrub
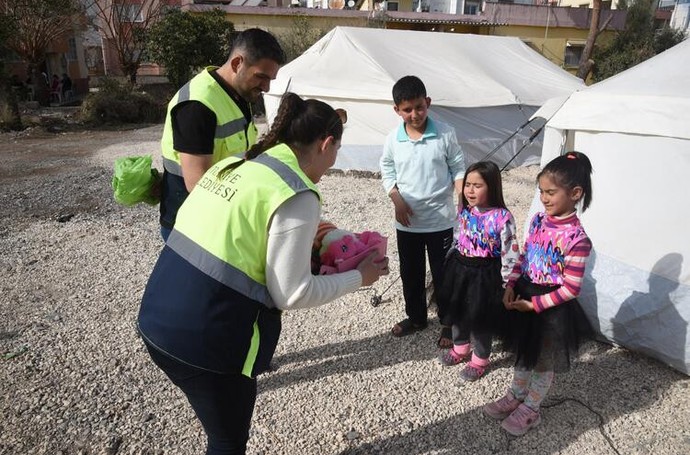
{"points": [[116, 103], [10, 119]]}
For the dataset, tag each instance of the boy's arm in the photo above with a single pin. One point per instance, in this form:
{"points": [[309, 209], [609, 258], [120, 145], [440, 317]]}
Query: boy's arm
{"points": [[459, 186], [455, 159], [389, 178], [387, 166]]}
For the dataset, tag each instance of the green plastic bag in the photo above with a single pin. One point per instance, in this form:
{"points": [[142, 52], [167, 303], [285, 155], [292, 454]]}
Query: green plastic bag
{"points": [[135, 181]]}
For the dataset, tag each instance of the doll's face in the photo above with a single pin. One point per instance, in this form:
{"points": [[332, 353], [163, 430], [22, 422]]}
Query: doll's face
{"points": [[344, 248]]}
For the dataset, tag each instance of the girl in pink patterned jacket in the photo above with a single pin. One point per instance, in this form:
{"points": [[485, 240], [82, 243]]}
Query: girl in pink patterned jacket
{"points": [[545, 321], [484, 253]]}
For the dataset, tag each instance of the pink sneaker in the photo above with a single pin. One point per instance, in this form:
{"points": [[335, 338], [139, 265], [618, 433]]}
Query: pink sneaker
{"points": [[521, 420], [450, 357], [472, 372], [502, 408]]}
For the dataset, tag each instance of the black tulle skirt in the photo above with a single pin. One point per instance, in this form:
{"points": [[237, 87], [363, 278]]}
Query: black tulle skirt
{"points": [[471, 292], [543, 341]]}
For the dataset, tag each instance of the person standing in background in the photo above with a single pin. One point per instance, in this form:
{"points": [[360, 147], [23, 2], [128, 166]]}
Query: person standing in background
{"points": [[421, 164], [66, 84]]}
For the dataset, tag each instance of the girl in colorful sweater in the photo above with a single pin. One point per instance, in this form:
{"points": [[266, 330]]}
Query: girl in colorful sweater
{"points": [[545, 321], [483, 256]]}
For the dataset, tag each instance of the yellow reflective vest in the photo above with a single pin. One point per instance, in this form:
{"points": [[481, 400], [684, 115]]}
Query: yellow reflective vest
{"points": [[234, 135], [207, 302]]}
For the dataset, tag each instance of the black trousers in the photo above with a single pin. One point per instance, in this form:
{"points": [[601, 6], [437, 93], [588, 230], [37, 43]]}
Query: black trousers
{"points": [[412, 247], [224, 403]]}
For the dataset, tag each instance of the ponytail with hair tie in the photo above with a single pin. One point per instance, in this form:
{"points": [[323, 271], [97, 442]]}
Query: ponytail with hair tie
{"points": [[570, 170]]}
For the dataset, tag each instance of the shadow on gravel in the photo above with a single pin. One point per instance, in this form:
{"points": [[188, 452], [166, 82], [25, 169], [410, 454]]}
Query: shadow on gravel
{"points": [[365, 354], [613, 383]]}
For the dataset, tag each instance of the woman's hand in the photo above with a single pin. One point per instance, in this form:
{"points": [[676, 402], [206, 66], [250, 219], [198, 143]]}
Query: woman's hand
{"points": [[371, 268]]}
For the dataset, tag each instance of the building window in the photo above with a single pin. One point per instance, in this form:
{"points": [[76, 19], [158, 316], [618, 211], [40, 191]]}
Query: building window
{"points": [[391, 6], [573, 52], [471, 8], [71, 49], [129, 12]]}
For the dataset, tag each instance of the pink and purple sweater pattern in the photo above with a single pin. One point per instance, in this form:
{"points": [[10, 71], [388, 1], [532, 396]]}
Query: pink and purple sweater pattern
{"points": [[546, 247], [480, 231]]}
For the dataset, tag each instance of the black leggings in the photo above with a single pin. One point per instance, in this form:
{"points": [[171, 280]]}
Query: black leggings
{"points": [[224, 403], [481, 341]]}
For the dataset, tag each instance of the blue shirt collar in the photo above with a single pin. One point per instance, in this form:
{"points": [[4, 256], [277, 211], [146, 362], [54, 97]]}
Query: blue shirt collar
{"points": [[430, 131]]}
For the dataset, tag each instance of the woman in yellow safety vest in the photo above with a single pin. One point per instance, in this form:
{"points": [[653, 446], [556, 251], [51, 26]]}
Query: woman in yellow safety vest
{"points": [[240, 254]]}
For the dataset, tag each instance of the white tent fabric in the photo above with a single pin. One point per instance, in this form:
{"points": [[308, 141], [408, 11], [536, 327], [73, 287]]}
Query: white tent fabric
{"points": [[634, 129], [485, 86]]}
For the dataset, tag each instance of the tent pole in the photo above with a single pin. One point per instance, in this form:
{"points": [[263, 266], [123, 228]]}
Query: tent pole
{"points": [[528, 142], [495, 149]]}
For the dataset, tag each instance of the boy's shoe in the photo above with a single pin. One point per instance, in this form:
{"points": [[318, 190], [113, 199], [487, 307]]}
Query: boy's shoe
{"points": [[450, 357], [472, 372], [521, 420], [502, 408]]}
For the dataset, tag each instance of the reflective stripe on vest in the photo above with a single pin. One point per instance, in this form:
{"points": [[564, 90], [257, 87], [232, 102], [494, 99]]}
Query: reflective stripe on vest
{"points": [[272, 178], [229, 138], [248, 366], [217, 269]]}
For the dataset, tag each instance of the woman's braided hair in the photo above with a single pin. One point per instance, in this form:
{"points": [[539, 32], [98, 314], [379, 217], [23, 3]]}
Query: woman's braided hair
{"points": [[299, 123]]}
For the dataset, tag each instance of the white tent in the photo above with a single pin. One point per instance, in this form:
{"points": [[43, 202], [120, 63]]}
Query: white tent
{"points": [[485, 86], [635, 129]]}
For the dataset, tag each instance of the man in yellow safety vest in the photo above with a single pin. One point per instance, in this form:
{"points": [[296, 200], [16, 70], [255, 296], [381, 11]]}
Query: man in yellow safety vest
{"points": [[210, 117]]}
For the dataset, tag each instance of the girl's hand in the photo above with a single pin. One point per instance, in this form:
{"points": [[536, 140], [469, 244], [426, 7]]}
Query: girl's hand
{"points": [[371, 269], [508, 297], [522, 305]]}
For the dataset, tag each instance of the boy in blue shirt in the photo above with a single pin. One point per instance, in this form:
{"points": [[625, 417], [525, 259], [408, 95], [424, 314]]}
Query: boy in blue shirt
{"points": [[421, 164]]}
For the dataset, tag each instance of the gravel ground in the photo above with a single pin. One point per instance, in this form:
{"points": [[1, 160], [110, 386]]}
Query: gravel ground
{"points": [[75, 378]]}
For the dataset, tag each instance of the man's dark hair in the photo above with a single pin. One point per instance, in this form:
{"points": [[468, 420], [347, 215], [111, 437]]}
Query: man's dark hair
{"points": [[408, 88], [257, 44]]}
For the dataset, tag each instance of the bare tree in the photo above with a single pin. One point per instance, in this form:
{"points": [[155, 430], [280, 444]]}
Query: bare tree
{"points": [[9, 108], [38, 23], [586, 63], [123, 25]]}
